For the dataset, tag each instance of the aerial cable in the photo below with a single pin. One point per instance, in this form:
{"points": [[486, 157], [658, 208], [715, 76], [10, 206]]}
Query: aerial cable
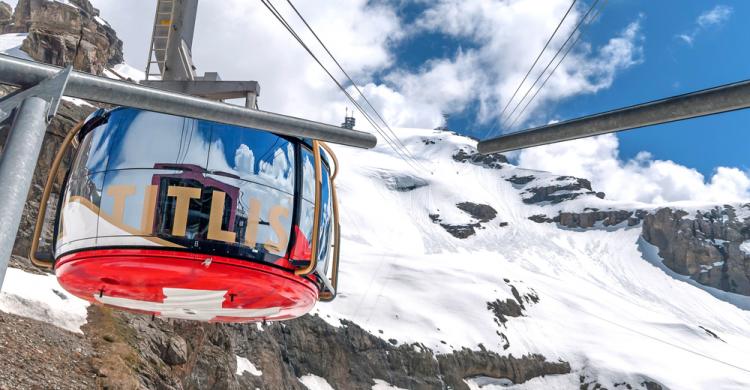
{"points": [[580, 34], [294, 34], [346, 73], [559, 50], [537, 59], [290, 29]]}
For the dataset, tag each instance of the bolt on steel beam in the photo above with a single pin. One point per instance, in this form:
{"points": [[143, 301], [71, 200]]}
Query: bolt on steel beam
{"points": [[716, 100]]}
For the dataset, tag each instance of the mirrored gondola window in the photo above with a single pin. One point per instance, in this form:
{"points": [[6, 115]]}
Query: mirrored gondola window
{"points": [[307, 208], [326, 223], [252, 155], [141, 139]]}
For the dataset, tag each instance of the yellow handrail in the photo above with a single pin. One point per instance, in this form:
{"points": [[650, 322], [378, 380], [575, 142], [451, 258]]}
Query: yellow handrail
{"points": [[328, 296], [42, 263], [316, 214]]}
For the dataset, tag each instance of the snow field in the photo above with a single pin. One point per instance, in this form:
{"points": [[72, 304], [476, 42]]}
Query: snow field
{"points": [[40, 297], [604, 307]]}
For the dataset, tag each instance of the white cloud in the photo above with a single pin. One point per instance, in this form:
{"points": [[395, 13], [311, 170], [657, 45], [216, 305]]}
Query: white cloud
{"points": [[509, 35], [639, 179], [716, 16], [242, 41]]}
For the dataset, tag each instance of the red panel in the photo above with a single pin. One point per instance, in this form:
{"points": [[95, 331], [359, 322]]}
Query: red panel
{"points": [[186, 285]]}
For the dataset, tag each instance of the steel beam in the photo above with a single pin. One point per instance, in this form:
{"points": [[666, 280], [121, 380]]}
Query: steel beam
{"points": [[25, 73], [716, 100], [17, 164]]}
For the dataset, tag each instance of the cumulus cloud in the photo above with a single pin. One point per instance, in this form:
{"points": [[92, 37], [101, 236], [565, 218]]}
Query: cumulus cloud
{"points": [[242, 41], [716, 16], [642, 178], [509, 35]]}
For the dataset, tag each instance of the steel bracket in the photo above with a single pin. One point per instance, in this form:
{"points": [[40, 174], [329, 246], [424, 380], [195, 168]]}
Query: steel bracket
{"points": [[51, 90]]}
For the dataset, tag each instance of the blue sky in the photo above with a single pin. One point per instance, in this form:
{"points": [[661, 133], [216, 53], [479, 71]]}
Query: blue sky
{"points": [[717, 55]]}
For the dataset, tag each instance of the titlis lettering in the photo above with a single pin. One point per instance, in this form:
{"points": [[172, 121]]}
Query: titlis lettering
{"points": [[182, 196]]}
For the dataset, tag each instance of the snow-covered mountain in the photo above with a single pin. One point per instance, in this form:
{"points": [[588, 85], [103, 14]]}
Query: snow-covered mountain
{"points": [[598, 299], [602, 299], [461, 271]]}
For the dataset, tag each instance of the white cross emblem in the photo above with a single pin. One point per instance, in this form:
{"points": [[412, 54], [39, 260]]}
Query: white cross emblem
{"points": [[201, 305]]}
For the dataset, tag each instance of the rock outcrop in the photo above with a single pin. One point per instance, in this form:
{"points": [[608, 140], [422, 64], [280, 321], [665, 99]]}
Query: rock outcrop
{"points": [[491, 161], [64, 33], [347, 356], [479, 213], [707, 245], [591, 218], [552, 190]]}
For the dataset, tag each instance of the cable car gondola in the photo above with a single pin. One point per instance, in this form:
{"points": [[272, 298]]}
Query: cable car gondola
{"points": [[192, 219]]}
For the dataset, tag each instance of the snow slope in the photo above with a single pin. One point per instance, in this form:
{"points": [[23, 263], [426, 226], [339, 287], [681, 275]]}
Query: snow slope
{"points": [[604, 308], [40, 297]]}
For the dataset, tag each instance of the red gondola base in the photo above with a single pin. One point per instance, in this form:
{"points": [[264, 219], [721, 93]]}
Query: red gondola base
{"points": [[186, 285]]}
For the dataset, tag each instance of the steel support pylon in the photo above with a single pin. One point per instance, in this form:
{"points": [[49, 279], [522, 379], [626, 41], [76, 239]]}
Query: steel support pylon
{"points": [[33, 108]]}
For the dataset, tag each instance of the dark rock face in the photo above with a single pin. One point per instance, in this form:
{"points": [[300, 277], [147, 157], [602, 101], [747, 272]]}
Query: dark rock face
{"points": [[521, 180], [644, 383], [6, 13], [491, 161], [562, 189], [65, 34], [133, 351], [481, 213], [706, 247], [591, 217]]}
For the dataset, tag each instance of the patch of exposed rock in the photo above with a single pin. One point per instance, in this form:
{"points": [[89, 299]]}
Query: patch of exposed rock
{"points": [[591, 218], [644, 383], [64, 33], [502, 309], [480, 214], [134, 351], [705, 246], [490, 161], [349, 357], [552, 191], [37, 355]]}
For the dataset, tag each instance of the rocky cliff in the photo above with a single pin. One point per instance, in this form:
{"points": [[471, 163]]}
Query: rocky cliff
{"points": [[705, 245], [64, 33]]}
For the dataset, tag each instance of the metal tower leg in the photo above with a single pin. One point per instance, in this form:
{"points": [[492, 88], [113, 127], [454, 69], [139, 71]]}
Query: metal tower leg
{"points": [[34, 108], [17, 165]]}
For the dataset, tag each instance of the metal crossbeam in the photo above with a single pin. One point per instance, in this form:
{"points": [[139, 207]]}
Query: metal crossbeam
{"points": [[716, 100], [25, 73]]}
